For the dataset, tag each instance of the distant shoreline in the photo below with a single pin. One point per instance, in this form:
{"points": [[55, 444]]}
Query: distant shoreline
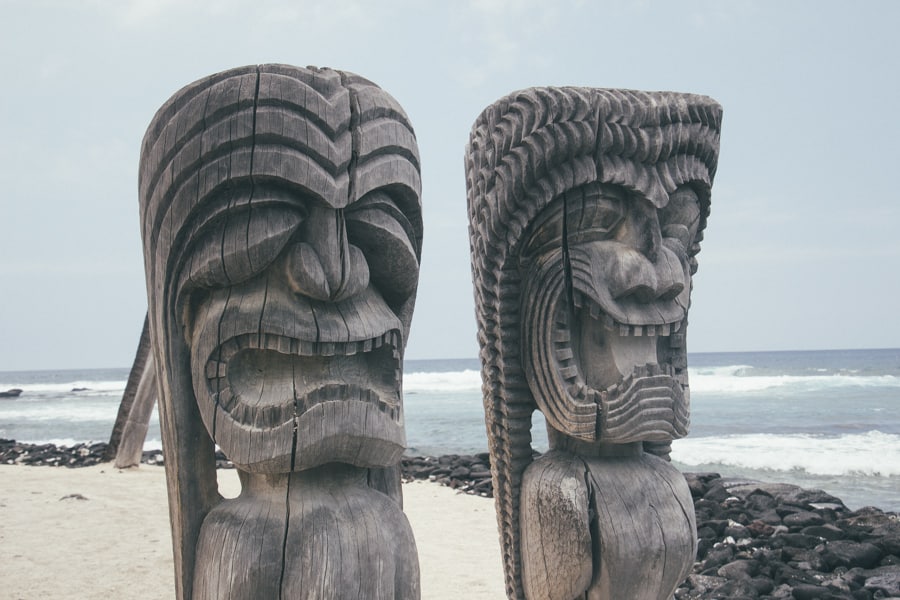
{"points": [[476, 360]]}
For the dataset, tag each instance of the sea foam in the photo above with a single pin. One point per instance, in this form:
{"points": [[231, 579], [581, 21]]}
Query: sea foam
{"points": [[468, 380], [872, 453], [741, 379]]}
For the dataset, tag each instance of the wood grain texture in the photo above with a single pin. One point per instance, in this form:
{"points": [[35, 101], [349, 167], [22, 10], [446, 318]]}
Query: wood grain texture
{"points": [[586, 209], [131, 448], [557, 545], [138, 367], [607, 527], [282, 233]]}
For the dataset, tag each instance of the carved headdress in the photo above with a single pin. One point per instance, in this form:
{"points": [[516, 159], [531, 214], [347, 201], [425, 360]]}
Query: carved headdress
{"points": [[231, 167], [525, 151]]}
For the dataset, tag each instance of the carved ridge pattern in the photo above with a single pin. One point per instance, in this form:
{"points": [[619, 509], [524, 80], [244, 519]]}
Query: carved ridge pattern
{"points": [[213, 168], [507, 149], [218, 159], [525, 150], [647, 392], [545, 321]]}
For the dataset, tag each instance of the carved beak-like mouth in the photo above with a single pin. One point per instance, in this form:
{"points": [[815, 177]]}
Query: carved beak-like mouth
{"points": [[284, 382], [597, 378], [265, 380], [623, 368], [602, 351]]}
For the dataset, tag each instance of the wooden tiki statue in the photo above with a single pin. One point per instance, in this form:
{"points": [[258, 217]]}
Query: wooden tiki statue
{"points": [[586, 210], [281, 219]]}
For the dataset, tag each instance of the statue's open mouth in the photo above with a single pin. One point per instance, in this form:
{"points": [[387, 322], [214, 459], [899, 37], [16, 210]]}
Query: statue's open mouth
{"points": [[286, 383], [620, 367], [265, 380]]}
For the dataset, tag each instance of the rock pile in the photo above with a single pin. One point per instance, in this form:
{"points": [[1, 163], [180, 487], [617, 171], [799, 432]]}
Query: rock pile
{"points": [[779, 541], [756, 540], [50, 455], [469, 474], [79, 455]]}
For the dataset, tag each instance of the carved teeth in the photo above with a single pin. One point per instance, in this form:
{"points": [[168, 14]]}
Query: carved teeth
{"points": [[622, 329], [576, 390], [343, 392], [286, 345], [562, 336], [569, 373], [215, 368], [564, 354], [228, 350], [384, 397]]}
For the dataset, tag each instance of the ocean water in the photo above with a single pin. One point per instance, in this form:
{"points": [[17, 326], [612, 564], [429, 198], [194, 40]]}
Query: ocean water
{"points": [[824, 419]]}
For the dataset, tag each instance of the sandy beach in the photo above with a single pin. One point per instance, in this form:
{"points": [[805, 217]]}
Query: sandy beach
{"points": [[98, 532]]}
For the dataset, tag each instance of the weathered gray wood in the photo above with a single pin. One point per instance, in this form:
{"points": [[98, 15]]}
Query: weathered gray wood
{"points": [[135, 432], [586, 210], [620, 527], [138, 367], [344, 540], [282, 231]]}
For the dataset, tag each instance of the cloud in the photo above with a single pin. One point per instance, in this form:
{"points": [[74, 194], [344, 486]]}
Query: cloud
{"points": [[504, 34], [52, 66], [135, 13], [500, 53]]}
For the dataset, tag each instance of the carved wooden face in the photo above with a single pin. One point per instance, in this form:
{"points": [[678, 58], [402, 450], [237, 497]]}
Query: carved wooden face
{"points": [[608, 282], [295, 312]]}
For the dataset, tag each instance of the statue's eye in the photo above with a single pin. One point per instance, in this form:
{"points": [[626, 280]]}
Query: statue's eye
{"points": [[377, 226], [594, 214], [236, 248], [680, 218], [233, 248], [585, 214]]}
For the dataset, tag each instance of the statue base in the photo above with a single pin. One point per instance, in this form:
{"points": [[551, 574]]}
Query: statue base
{"points": [[321, 534], [605, 527]]}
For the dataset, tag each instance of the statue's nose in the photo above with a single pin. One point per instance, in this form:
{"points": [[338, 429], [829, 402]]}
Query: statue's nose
{"points": [[642, 231], [644, 268], [324, 265]]}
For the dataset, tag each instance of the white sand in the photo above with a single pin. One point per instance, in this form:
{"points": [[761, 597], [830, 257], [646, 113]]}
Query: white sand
{"points": [[115, 543]]}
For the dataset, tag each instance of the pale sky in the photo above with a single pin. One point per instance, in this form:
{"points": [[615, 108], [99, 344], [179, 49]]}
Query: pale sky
{"points": [[802, 250]]}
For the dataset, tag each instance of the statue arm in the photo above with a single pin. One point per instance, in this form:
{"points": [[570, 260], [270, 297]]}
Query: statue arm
{"points": [[557, 549]]}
